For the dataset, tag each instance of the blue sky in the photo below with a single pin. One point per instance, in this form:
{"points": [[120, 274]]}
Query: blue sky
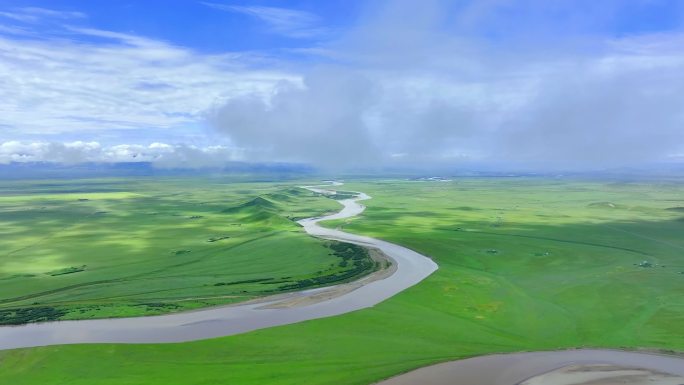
{"points": [[527, 83], [204, 26]]}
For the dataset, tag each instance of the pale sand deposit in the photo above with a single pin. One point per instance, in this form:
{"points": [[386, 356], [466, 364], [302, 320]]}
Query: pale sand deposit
{"points": [[604, 375], [517, 368]]}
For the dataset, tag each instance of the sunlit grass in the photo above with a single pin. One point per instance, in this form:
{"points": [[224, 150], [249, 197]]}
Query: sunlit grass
{"points": [[103, 254]]}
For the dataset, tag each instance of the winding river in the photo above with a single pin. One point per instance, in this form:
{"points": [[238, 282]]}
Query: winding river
{"points": [[409, 268]]}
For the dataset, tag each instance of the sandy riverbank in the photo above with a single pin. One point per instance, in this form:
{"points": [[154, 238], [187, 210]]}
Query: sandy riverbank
{"points": [[604, 375], [530, 368], [310, 297], [407, 269]]}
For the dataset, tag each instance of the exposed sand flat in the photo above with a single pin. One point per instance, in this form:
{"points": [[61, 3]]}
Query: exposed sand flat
{"points": [[604, 375], [327, 293], [523, 368]]}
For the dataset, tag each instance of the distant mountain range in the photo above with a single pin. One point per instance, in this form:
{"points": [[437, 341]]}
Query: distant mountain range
{"points": [[92, 170], [275, 170]]}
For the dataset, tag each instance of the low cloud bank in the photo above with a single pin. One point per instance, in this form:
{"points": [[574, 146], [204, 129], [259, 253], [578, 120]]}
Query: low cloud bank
{"points": [[433, 84], [159, 154]]}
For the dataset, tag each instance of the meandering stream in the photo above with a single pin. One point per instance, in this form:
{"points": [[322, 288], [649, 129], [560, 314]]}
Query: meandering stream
{"points": [[409, 269]]}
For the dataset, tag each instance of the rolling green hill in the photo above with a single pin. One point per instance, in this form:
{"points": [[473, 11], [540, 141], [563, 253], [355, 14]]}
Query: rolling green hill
{"points": [[110, 248]]}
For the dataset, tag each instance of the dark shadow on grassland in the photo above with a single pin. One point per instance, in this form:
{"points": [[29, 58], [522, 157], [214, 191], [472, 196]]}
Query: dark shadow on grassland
{"points": [[600, 283], [598, 277], [658, 242], [154, 253], [597, 284]]}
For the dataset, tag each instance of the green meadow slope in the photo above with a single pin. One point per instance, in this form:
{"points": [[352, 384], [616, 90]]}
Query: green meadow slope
{"points": [[525, 264], [108, 248]]}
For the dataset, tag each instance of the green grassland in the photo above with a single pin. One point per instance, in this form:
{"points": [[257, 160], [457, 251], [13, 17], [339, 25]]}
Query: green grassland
{"points": [[525, 264], [108, 248]]}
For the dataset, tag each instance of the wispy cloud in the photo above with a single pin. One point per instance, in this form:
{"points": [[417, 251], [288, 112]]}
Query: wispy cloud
{"points": [[52, 85], [284, 21], [35, 14], [15, 30]]}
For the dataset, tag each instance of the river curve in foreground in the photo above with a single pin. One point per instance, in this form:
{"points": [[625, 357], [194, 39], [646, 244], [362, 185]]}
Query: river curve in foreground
{"points": [[409, 268]]}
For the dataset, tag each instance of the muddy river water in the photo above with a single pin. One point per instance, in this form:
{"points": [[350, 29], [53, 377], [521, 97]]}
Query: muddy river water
{"points": [[409, 268]]}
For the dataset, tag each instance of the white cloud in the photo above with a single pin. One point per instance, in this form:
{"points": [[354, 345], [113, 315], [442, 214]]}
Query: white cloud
{"points": [[72, 152], [57, 85], [412, 84], [442, 97], [284, 21], [160, 154]]}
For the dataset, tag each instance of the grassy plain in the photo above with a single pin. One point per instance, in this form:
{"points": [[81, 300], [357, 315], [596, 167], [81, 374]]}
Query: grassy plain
{"points": [[525, 264], [105, 248]]}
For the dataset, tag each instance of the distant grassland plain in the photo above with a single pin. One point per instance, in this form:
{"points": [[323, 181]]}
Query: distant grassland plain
{"points": [[111, 248], [525, 264]]}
